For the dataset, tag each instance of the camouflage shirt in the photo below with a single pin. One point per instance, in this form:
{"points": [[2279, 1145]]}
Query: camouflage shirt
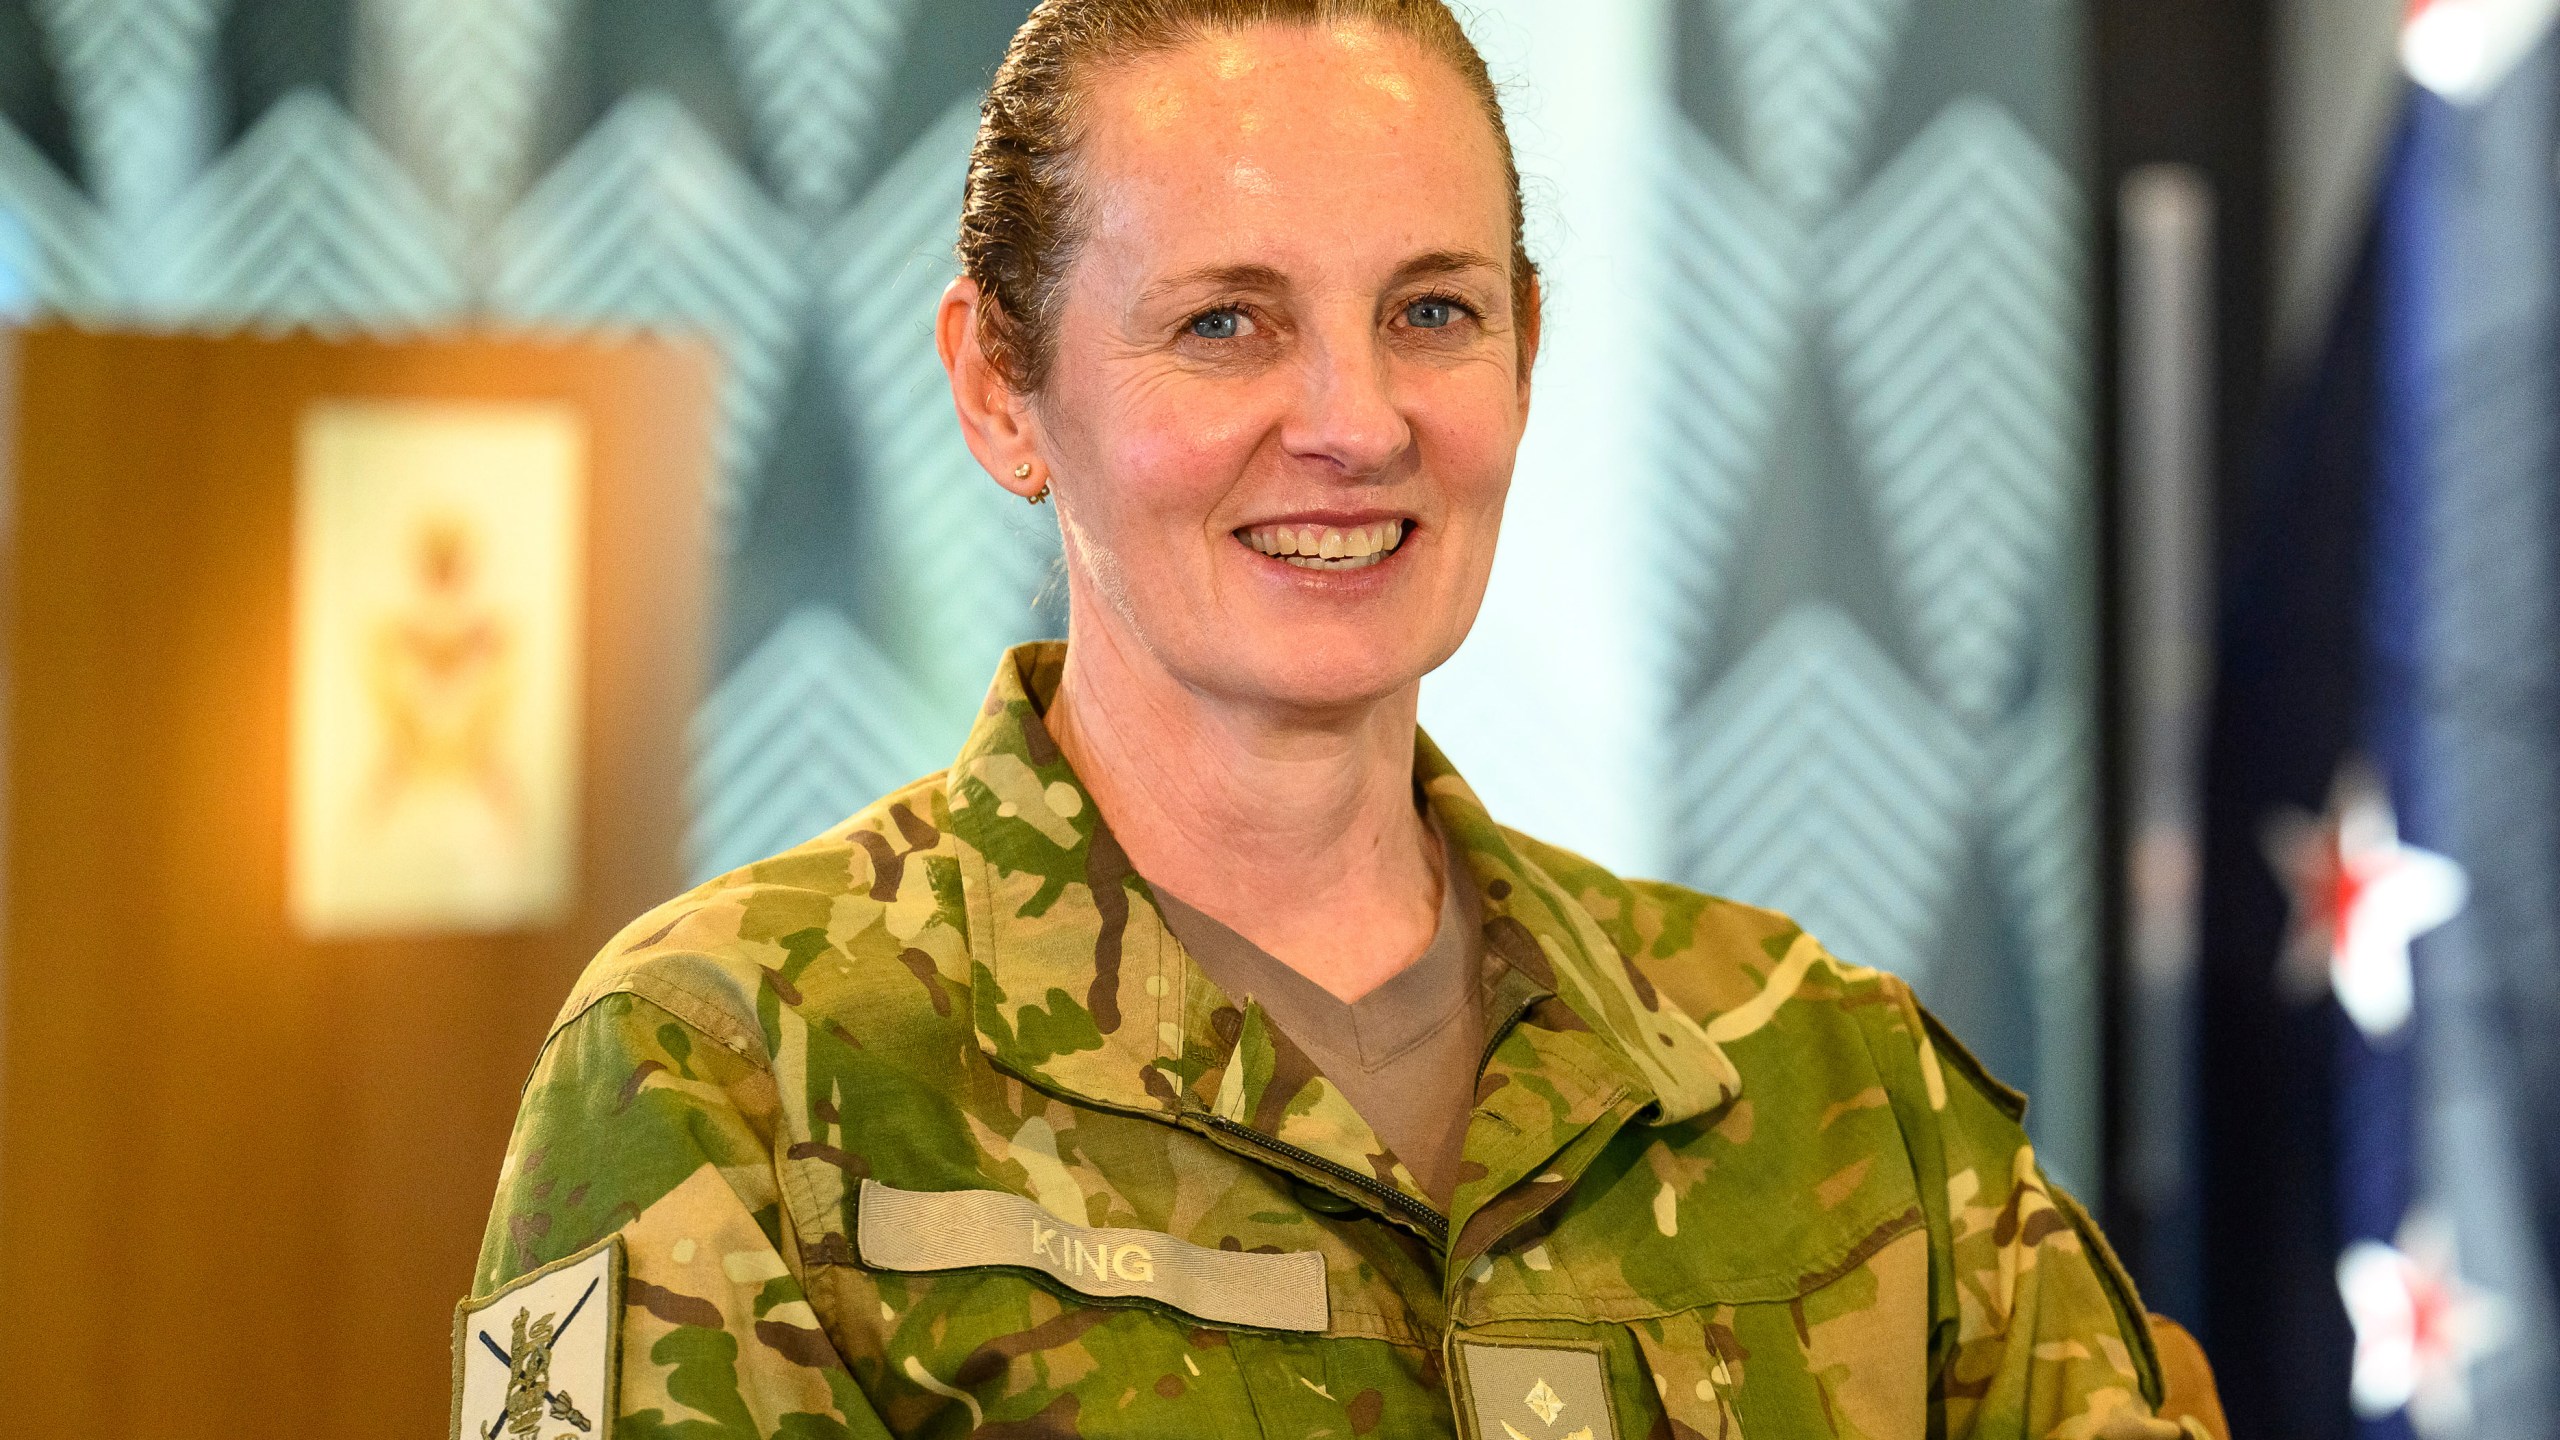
{"points": [[929, 1127]]}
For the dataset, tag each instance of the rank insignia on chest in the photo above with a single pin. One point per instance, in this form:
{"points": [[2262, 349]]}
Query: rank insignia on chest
{"points": [[535, 1361], [1531, 1390]]}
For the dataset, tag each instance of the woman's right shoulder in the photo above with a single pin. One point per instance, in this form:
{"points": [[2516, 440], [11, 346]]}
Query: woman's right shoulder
{"points": [[860, 931]]}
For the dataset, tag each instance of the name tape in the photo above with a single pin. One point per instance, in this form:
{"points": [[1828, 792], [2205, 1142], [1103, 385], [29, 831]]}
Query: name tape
{"points": [[931, 1230]]}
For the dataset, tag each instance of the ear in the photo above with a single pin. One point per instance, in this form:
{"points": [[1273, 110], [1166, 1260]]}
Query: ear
{"points": [[999, 424]]}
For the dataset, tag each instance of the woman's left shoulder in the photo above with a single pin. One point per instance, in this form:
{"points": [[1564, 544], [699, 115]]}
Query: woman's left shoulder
{"points": [[1747, 973]]}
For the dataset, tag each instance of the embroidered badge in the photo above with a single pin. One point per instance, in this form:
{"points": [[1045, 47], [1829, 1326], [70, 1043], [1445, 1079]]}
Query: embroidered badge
{"points": [[1529, 1391], [963, 1229], [536, 1361]]}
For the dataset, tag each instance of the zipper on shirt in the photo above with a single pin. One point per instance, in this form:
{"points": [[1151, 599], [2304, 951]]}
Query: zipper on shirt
{"points": [[1432, 1222]]}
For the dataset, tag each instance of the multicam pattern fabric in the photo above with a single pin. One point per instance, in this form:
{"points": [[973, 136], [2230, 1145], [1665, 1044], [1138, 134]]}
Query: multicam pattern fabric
{"points": [[1762, 1186]]}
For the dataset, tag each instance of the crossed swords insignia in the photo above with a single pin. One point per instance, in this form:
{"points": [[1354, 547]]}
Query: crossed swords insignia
{"points": [[529, 1392]]}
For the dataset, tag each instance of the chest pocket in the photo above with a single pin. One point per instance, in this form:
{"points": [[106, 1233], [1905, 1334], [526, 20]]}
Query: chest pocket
{"points": [[1758, 1302], [994, 1308], [1851, 1350], [995, 1350]]}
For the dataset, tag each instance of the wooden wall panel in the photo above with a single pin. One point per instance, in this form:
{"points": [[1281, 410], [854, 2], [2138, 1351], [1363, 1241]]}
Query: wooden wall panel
{"points": [[243, 1175]]}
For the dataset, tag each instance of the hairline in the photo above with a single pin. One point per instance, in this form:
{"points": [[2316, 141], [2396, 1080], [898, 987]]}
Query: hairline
{"points": [[1064, 164]]}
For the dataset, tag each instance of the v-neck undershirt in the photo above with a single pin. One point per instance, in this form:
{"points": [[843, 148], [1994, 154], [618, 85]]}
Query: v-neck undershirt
{"points": [[1406, 1054]]}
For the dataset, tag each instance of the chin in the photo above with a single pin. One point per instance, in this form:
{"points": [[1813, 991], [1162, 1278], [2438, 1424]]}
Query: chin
{"points": [[1331, 673]]}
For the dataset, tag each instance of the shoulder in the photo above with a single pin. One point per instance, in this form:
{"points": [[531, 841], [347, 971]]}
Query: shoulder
{"points": [[1838, 1059], [861, 926], [1764, 988]]}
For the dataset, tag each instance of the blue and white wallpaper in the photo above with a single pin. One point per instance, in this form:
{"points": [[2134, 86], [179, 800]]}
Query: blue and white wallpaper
{"points": [[1797, 602]]}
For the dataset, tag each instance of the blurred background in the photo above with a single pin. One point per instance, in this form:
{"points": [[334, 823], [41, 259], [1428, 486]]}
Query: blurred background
{"points": [[2061, 495]]}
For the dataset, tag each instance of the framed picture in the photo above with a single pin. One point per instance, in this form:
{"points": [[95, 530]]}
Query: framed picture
{"points": [[438, 571]]}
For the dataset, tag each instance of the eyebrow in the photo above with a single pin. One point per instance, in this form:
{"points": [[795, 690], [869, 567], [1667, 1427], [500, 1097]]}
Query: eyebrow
{"points": [[1442, 262], [1219, 277], [1265, 277]]}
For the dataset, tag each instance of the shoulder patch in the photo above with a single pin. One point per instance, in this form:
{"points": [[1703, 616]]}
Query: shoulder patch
{"points": [[539, 1357]]}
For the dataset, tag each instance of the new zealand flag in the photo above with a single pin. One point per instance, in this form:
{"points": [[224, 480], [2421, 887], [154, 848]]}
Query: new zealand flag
{"points": [[2379, 1057]]}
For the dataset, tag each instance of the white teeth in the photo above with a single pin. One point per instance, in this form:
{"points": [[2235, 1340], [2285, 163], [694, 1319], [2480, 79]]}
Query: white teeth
{"points": [[1324, 547], [1309, 562]]}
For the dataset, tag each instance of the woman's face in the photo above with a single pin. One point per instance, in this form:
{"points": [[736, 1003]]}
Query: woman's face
{"points": [[1288, 384]]}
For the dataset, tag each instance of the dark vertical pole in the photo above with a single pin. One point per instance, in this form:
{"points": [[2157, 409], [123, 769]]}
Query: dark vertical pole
{"points": [[2186, 83]]}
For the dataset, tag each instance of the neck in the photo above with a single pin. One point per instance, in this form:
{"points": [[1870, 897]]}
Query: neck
{"points": [[1299, 832]]}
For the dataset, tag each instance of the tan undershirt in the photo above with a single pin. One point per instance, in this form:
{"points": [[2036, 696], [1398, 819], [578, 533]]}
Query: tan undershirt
{"points": [[1405, 1054]]}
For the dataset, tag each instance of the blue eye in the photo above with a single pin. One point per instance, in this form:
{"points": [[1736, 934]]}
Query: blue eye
{"points": [[1430, 314], [1218, 325]]}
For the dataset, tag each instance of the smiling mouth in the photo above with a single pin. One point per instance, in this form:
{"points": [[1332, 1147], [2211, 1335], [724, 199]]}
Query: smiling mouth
{"points": [[1326, 547]]}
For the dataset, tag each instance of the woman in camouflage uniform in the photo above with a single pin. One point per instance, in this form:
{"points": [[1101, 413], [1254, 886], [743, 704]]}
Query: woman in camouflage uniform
{"points": [[1195, 1054]]}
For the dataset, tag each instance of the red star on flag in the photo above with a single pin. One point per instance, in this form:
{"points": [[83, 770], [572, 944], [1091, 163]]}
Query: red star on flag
{"points": [[2461, 49], [2359, 898], [2418, 1327]]}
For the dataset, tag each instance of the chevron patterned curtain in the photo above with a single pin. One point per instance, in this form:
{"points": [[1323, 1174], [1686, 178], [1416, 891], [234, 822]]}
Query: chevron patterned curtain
{"points": [[1843, 440]]}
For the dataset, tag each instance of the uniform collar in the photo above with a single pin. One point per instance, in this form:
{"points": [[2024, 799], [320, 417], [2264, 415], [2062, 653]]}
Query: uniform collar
{"points": [[1543, 932], [1078, 987]]}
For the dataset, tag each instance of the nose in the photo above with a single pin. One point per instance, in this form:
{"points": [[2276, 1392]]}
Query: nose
{"points": [[1347, 414]]}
